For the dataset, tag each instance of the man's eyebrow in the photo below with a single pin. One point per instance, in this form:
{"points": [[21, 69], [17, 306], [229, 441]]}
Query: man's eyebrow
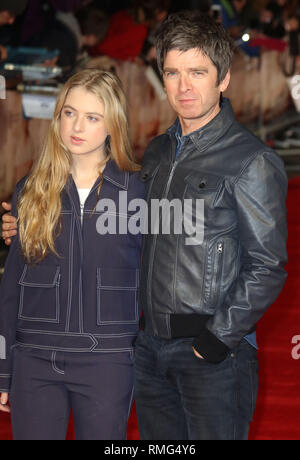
{"points": [[198, 69], [190, 69], [87, 113]]}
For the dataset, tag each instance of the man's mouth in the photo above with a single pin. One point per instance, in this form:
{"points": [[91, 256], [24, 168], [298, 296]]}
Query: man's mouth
{"points": [[186, 101]]}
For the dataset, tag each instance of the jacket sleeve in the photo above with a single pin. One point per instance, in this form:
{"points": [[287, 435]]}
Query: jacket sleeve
{"points": [[9, 303], [260, 197]]}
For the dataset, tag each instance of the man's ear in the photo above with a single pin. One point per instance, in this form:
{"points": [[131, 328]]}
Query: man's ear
{"points": [[225, 83]]}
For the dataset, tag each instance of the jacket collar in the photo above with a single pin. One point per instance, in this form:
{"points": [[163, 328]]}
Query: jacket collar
{"points": [[111, 173], [114, 175], [210, 132]]}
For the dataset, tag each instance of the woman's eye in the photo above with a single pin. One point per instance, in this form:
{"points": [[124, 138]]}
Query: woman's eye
{"points": [[93, 119], [68, 114]]}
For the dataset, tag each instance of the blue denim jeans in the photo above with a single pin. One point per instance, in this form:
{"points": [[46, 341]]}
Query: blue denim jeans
{"points": [[181, 397]]}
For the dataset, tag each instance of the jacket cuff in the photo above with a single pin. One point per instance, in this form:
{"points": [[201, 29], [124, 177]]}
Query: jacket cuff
{"points": [[210, 347], [5, 383]]}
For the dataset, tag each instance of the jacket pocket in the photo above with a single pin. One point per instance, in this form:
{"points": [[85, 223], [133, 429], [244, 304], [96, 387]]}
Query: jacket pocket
{"points": [[117, 291], [39, 296], [148, 171], [202, 183], [147, 176]]}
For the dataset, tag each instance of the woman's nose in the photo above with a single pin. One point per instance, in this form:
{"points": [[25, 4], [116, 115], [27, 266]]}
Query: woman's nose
{"points": [[79, 124]]}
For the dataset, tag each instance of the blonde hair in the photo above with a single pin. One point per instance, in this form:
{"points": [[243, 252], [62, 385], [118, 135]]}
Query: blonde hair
{"points": [[39, 208]]}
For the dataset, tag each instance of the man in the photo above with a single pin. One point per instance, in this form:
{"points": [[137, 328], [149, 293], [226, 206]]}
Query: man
{"points": [[9, 10], [196, 357]]}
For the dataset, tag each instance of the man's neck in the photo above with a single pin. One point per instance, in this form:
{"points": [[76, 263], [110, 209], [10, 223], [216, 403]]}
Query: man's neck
{"points": [[189, 126]]}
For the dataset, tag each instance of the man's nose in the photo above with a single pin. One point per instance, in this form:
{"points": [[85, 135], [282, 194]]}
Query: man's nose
{"points": [[184, 83]]}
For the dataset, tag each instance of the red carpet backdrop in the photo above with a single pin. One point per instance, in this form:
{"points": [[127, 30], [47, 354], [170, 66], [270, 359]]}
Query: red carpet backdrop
{"points": [[278, 411]]}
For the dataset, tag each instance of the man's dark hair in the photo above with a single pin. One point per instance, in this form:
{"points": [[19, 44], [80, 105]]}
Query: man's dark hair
{"points": [[190, 29], [14, 7], [93, 22]]}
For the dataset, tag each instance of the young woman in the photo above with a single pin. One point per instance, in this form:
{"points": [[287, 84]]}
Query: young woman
{"points": [[68, 299]]}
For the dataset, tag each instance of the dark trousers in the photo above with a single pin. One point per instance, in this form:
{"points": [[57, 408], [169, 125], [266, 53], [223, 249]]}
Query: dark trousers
{"points": [[181, 397], [46, 385]]}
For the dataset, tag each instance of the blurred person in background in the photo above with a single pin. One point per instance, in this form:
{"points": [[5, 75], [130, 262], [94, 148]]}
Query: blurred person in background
{"points": [[239, 16], [292, 23], [39, 12], [69, 27], [274, 16], [130, 28], [9, 10]]}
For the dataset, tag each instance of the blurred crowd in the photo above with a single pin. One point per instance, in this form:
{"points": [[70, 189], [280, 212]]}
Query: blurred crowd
{"points": [[125, 29]]}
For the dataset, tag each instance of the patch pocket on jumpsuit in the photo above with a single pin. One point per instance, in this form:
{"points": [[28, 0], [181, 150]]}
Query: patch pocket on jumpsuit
{"points": [[117, 296], [39, 295]]}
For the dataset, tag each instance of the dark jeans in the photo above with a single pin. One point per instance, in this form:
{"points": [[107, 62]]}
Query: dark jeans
{"points": [[46, 385], [181, 397]]}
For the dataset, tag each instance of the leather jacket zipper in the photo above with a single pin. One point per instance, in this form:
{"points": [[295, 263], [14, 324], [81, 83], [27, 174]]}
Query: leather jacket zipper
{"points": [[165, 194], [170, 179], [219, 266], [220, 248]]}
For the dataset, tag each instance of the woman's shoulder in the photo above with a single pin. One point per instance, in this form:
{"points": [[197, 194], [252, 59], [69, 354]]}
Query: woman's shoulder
{"points": [[21, 183], [17, 193], [18, 189], [124, 179], [135, 183]]}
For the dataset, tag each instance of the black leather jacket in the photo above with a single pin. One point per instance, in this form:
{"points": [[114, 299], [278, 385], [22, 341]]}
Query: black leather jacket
{"points": [[215, 291]]}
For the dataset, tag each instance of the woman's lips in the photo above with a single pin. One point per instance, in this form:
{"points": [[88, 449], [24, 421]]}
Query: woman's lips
{"points": [[76, 140]]}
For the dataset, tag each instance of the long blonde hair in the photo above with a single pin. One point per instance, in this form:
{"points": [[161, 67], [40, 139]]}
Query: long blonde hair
{"points": [[39, 208]]}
